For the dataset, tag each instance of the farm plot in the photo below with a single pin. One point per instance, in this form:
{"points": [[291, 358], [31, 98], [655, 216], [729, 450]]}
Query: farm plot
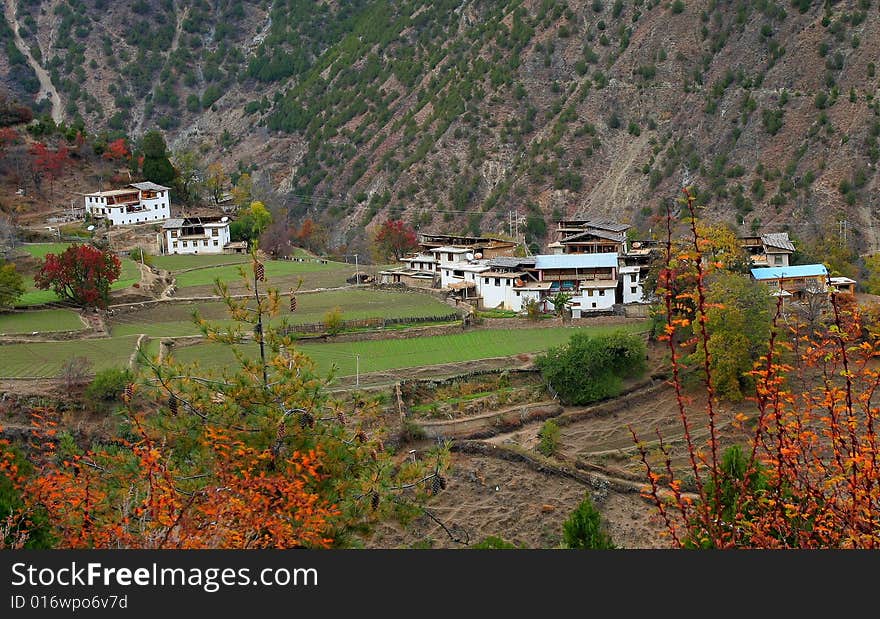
{"points": [[40, 321], [45, 359], [174, 320], [379, 355], [183, 262], [175, 263], [281, 274]]}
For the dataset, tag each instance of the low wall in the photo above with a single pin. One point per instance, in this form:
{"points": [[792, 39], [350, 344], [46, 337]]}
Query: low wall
{"points": [[491, 423]]}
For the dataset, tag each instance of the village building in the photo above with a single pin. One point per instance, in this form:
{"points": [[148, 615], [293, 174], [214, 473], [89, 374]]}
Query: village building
{"points": [[434, 264], [589, 236], [845, 285], [511, 282], [138, 203], [198, 235], [590, 278], [794, 280], [487, 246], [771, 249]]}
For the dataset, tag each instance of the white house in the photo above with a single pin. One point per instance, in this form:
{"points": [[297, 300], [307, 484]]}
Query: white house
{"points": [[452, 262], [138, 203], [196, 235], [630, 280], [509, 283], [590, 278]]}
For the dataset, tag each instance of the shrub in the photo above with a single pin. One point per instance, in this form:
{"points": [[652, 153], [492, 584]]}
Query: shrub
{"points": [[587, 369], [333, 322], [549, 438], [494, 543], [75, 373], [583, 529], [138, 254], [109, 384], [533, 310]]}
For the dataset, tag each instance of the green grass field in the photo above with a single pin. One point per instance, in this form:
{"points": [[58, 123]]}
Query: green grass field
{"points": [[43, 320], [280, 274], [33, 296], [176, 320], [45, 359], [39, 250], [380, 355], [176, 263]]}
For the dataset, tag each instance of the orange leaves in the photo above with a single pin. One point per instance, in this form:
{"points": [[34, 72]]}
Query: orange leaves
{"points": [[247, 497]]}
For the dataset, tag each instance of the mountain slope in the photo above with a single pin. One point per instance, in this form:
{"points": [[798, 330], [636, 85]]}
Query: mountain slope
{"points": [[454, 113]]}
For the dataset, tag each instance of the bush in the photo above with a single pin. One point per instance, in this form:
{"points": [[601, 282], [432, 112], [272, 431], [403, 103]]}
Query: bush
{"points": [[333, 322], [533, 310], [588, 369], [494, 543], [75, 373], [549, 438], [109, 384], [583, 529], [138, 254]]}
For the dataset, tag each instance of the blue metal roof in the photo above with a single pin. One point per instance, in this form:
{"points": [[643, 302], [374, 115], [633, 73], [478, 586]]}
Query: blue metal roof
{"points": [[575, 261], [798, 270]]}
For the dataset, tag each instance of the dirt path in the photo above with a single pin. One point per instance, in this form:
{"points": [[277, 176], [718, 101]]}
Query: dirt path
{"points": [[47, 89]]}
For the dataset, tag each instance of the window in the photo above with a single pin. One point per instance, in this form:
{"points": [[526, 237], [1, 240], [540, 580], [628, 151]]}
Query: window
{"points": [[449, 257], [497, 281], [589, 293], [634, 289], [485, 280], [174, 244], [215, 243], [777, 259], [602, 293], [594, 305], [215, 232], [632, 278], [185, 244]]}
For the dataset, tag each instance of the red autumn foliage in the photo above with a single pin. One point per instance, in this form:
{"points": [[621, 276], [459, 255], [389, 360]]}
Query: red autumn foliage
{"points": [[808, 476], [8, 136], [81, 274], [117, 150], [48, 163], [395, 239]]}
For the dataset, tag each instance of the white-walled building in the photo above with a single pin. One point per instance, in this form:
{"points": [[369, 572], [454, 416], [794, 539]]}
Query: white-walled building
{"points": [[138, 203], [205, 235], [631, 282], [509, 283], [590, 278]]}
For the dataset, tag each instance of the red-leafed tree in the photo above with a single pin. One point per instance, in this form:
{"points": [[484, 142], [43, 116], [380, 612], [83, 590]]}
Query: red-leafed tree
{"points": [[48, 163], [81, 274], [117, 150], [394, 239], [8, 136]]}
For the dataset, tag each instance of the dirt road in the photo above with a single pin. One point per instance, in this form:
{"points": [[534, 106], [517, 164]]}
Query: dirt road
{"points": [[47, 89]]}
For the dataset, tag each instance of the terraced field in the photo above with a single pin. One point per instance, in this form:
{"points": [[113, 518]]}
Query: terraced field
{"points": [[379, 355], [43, 320], [176, 320], [45, 359]]}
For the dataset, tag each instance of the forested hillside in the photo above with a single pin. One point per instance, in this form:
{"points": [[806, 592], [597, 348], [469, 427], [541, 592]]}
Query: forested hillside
{"points": [[452, 113]]}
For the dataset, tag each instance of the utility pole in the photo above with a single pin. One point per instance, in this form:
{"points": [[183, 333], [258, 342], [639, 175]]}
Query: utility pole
{"points": [[357, 370], [258, 328]]}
